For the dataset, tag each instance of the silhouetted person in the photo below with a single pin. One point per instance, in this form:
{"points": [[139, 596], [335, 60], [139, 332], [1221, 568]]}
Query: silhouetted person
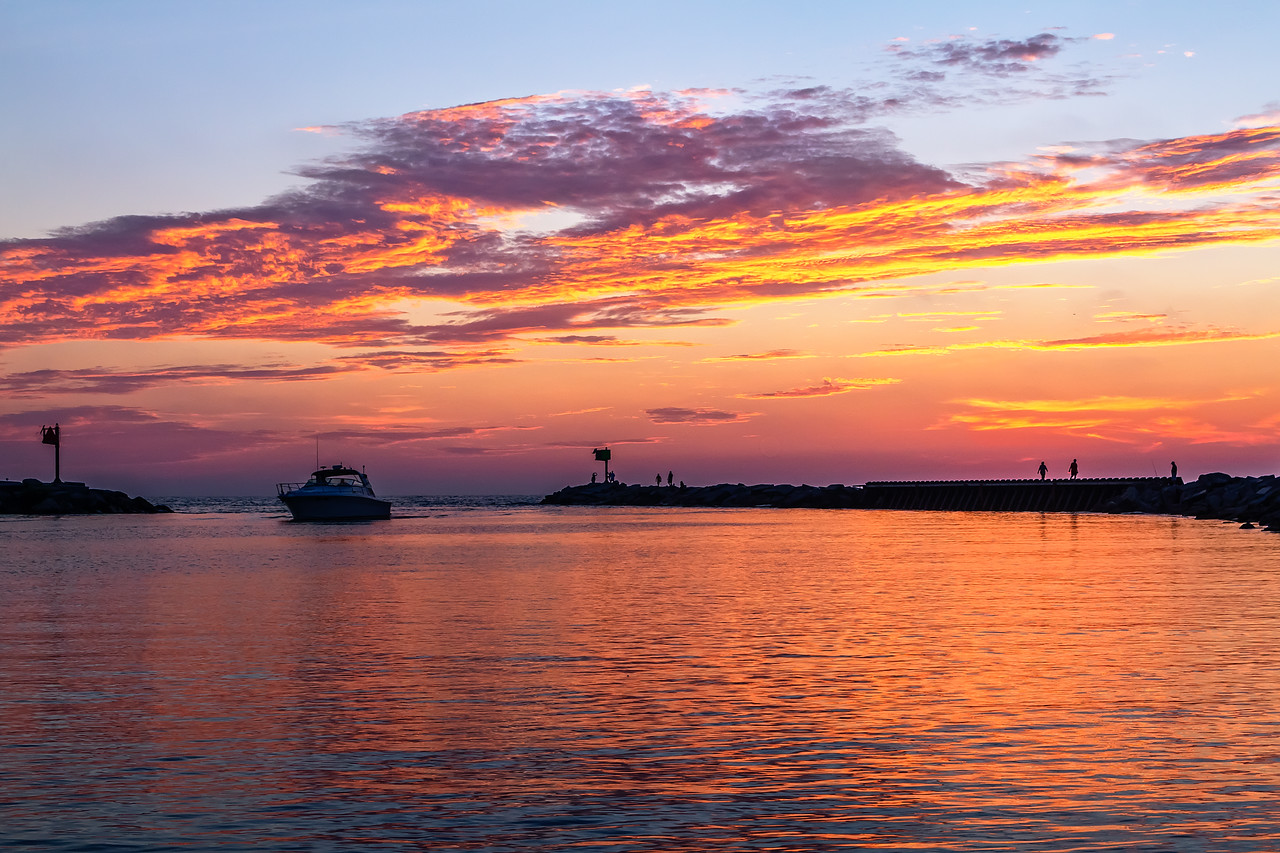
{"points": [[668, 479], [657, 481], [1173, 470], [1074, 469], [1044, 469], [593, 478]]}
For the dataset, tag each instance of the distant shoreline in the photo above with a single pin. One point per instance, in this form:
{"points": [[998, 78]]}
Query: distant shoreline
{"points": [[1251, 501]]}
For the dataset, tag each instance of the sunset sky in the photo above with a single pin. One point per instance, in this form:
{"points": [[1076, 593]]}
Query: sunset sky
{"points": [[461, 245]]}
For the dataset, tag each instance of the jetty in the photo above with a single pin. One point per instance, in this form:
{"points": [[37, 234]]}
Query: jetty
{"points": [[61, 497], [1082, 495], [33, 497], [1253, 501]]}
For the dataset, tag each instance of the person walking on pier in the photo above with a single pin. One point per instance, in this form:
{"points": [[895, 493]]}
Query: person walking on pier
{"points": [[1075, 469], [1043, 469]]}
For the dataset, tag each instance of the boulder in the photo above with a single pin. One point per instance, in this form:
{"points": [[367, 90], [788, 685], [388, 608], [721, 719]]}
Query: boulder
{"points": [[33, 497]]}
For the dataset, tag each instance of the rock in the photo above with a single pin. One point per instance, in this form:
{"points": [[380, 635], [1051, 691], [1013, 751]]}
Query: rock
{"points": [[33, 497], [1253, 501]]}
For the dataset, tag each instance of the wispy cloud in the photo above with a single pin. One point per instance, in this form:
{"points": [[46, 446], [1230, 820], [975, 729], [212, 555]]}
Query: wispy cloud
{"points": [[1109, 404], [998, 70], [1149, 337], [107, 381], [824, 389], [410, 434], [1122, 419], [420, 361], [1270, 117], [697, 417], [590, 411], [996, 57], [133, 436], [769, 355], [1128, 317]]}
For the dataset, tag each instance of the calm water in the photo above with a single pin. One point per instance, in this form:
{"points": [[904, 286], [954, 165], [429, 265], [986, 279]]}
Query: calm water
{"points": [[507, 677]]}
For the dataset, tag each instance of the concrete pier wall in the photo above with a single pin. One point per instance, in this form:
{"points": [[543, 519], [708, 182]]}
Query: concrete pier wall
{"points": [[1007, 495], [1252, 500]]}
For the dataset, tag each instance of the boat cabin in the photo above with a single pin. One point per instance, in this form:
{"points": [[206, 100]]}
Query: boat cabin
{"points": [[338, 476]]}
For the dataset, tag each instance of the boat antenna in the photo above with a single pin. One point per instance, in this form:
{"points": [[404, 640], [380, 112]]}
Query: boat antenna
{"points": [[317, 451]]}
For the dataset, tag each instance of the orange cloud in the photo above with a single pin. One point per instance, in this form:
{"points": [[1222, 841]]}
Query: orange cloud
{"points": [[1129, 420], [1136, 338], [675, 211], [1095, 404]]}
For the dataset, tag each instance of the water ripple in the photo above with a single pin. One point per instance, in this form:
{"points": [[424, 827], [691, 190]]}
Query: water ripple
{"points": [[517, 678]]}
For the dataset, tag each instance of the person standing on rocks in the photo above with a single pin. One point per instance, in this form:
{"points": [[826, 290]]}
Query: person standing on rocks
{"points": [[1075, 469], [1043, 469], [1173, 470]]}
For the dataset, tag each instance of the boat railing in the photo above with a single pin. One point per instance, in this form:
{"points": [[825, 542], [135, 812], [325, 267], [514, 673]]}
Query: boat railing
{"points": [[331, 488]]}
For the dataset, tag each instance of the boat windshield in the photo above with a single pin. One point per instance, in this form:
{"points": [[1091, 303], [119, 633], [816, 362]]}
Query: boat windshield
{"points": [[342, 480]]}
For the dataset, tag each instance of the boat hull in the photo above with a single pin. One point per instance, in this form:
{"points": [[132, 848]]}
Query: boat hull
{"points": [[336, 507]]}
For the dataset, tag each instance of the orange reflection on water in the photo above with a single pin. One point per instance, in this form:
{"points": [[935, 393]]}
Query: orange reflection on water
{"points": [[680, 679]]}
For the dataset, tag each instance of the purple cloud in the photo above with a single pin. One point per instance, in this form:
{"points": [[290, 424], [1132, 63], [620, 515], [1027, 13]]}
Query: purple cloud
{"points": [[107, 381], [678, 415], [995, 57], [665, 210]]}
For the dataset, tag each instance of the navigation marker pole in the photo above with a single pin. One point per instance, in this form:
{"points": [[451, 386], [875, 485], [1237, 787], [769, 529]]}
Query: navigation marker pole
{"points": [[53, 435], [603, 455]]}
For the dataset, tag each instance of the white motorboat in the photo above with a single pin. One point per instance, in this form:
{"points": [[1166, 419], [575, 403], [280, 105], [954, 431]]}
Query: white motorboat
{"points": [[334, 494]]}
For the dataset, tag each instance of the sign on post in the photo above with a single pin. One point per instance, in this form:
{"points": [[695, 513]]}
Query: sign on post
{"points": [[53, 435]]}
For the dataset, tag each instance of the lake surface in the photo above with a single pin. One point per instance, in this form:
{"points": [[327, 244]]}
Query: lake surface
{"points": [[485, 675]]}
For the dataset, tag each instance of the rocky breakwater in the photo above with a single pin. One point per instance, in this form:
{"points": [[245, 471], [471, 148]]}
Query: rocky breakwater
{"points": [[33, 497], [724, 495], [1252, 501]]}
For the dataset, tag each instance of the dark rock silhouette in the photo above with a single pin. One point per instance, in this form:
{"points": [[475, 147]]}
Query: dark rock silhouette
{"points": [[1251, 500], [32, 497], [1246, 499], [767, 495]]}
